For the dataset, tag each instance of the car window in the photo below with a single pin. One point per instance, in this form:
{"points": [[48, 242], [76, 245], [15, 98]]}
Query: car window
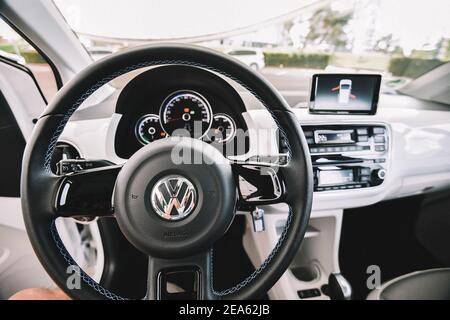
{"points": [[14, 48]]}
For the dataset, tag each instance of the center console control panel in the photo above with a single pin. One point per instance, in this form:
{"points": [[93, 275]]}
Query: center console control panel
{"points": [[347, 156]]}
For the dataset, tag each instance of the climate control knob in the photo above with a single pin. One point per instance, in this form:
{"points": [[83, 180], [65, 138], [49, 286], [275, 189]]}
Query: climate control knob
{"points": [[380, 174]]}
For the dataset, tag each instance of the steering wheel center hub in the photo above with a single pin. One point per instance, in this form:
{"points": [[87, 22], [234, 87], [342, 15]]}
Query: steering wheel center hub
{"points": [[175, 197]]}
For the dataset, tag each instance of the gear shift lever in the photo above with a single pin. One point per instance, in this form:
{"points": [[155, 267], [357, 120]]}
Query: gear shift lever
{"points": [[338, 288]]}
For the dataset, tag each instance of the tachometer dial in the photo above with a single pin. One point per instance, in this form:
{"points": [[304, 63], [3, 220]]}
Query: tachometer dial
{"points": [[186, 113], [148, 129], [223, 129]]}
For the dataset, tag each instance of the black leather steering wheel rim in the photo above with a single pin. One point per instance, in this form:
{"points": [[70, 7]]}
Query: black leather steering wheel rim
{"points": [[39, 183]]}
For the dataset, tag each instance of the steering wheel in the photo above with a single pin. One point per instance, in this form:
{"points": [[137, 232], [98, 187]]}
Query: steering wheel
{"points": [[136, 193]]}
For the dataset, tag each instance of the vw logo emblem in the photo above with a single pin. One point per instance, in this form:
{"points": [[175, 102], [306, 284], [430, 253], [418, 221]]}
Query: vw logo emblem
{"points": [[173, 197]]}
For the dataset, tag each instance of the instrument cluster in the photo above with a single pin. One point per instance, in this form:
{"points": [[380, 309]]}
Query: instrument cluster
{"points": [[179, 101], [186, 113]]}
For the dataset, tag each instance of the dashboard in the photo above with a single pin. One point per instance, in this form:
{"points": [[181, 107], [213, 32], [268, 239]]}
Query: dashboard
{"points": [[179, 101], [358, 159]]}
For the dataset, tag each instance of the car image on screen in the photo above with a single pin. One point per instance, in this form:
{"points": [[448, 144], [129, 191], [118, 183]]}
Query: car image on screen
{"points": [[345, 90]]}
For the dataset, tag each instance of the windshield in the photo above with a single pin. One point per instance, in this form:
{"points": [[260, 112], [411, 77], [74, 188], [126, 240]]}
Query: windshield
{"points": [[287, 41]]}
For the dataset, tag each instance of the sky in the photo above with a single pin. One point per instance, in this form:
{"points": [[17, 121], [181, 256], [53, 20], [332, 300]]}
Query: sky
{"points": [[414, 22], [150, 19]]}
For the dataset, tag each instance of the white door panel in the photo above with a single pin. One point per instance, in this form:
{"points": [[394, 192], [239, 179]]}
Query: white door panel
{"points": [[11, 213]]}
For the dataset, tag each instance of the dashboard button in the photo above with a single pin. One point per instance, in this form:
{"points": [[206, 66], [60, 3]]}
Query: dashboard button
{"points": [[380, 148], [365, 171], [309, 293], [310, 140], [363, 138], [362, 131], [378, 130], [379, 139], [308, 134]]}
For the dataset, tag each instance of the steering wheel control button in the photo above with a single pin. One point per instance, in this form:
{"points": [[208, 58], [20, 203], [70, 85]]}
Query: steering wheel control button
{"points": [[174, 197]]}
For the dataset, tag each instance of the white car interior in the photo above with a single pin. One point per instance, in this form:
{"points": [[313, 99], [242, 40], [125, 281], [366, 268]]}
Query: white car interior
{"points": [[378, 156]]}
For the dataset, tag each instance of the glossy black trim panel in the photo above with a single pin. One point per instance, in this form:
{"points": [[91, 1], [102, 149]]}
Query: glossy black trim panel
{"points": [[87, 193]]}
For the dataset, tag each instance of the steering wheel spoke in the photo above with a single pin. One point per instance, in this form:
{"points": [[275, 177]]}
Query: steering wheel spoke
{"points": [[187, 278], [87, 193], [259, 182]]}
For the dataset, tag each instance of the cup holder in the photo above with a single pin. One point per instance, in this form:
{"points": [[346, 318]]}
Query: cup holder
{"points": [[306, 273]]}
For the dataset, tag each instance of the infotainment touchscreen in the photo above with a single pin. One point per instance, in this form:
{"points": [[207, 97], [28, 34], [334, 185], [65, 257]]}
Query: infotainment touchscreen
{"points": [[345, 93]]}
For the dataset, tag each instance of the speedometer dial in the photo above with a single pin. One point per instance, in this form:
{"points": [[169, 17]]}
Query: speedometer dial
{"points": [[186, 113], [148, 129], [223, 129]]}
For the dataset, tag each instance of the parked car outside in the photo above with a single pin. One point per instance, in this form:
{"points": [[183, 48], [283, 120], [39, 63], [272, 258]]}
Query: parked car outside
{"points": [[254, 58]]}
